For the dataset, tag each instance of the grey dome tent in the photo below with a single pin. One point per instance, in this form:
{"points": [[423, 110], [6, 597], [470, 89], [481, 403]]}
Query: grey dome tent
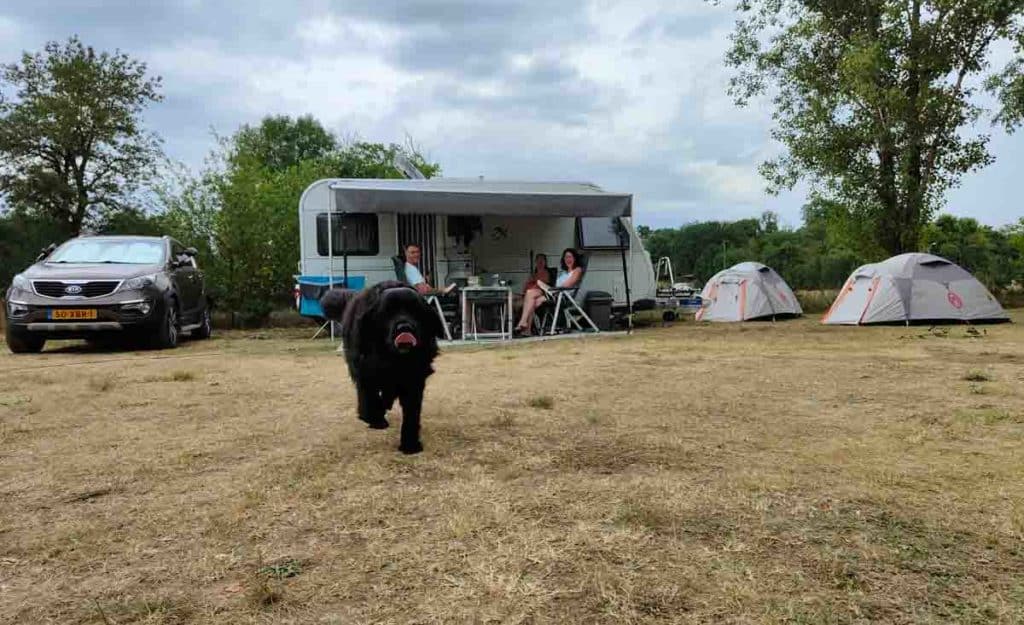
{"points": [[747, 291], [913, 288]]}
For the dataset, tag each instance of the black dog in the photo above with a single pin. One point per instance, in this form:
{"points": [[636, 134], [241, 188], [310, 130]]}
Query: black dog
{"points": [[390, 337]]}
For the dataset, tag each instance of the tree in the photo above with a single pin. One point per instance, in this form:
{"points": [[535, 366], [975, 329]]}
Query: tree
{"points": [[987, 253], [71, 137], [280, 142], [874, 98], [23, 236], [240, 213]]}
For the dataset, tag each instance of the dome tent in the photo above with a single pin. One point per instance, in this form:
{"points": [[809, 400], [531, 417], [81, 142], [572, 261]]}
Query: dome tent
{"points": [[747, 291], [913, 288]]}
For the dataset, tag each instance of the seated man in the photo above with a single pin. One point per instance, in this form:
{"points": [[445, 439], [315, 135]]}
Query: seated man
{"points": [[415, 278]]}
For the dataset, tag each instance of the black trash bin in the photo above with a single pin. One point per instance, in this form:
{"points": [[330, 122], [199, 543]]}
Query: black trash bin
{"points": [[598, 306]]}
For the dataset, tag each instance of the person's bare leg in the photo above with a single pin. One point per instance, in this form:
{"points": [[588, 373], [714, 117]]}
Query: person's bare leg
{"points": [[530, 304]]}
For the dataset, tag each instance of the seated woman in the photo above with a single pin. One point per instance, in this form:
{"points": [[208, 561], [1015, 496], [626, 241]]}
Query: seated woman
{"points": [[569, 275], [541, 273]]}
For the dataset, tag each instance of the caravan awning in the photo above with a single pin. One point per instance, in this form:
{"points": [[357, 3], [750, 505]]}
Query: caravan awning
{"points": [[447, 196]]}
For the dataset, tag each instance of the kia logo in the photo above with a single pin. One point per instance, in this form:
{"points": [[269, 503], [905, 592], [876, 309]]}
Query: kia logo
{"points": [[72, 289]]}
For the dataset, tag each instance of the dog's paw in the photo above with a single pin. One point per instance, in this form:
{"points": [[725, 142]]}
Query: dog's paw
{"points": [[411, 448], [378, 424]]}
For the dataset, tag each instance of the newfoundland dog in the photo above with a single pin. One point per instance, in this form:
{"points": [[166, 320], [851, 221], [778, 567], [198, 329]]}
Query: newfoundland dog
{"points": [[390, 337]]}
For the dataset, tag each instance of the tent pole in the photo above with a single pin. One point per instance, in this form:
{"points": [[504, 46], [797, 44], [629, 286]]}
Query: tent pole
{"points": [[623, 238]]}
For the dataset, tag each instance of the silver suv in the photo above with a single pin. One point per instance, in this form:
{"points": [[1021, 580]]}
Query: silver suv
{"points": [[107, 287]]}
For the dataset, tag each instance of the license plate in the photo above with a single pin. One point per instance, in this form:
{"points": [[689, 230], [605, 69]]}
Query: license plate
{"points": [[72, 314]]}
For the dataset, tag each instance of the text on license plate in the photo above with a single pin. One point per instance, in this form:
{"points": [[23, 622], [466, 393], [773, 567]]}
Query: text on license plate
{"points": [[72, 314]]}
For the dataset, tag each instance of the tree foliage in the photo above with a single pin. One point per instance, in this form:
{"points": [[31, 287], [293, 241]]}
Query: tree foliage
{"points": [[280, 142], [72, 144], [874, 99], [242, 212], [992, 255], [803, 256], [809, 258]]}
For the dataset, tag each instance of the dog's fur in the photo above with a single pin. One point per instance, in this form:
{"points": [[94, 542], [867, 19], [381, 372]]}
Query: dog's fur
{"points": [[371, 322]]}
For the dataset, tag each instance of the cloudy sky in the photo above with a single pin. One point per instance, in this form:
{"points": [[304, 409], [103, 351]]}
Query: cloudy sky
{"points": [[629, 95]]}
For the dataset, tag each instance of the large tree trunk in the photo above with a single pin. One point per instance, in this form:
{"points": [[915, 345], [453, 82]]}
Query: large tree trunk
{"points": [[887, 222], [912, 205], [81, 200]]}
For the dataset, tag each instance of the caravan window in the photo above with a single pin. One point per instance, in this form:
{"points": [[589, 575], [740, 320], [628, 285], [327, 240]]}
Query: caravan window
{"points": [[361, 235], [597, 233]]}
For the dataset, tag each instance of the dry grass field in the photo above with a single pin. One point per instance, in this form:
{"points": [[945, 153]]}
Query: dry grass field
{"points": [[763, 473]]}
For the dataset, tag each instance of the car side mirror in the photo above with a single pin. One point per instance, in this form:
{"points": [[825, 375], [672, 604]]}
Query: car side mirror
{"points": [[191, 252]]}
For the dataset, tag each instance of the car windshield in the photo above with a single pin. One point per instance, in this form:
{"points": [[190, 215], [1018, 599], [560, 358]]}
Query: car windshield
{"points": [[129, 252]]}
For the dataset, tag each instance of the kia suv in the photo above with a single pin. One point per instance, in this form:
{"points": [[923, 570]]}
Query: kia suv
{"points": [[106, 287]]}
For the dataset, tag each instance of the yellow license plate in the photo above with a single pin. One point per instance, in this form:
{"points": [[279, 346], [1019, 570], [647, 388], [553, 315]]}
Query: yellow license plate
{"points": [[72, 314]]}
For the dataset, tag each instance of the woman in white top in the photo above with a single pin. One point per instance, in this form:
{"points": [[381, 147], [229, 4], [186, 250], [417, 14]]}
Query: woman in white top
{"points": [[569, 275]]}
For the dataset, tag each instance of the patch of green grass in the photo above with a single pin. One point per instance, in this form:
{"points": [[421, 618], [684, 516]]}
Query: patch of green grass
{"points": [[263, 586], [988, 416], [977, 375], [282, 570], [543, 402], [9, 402]]}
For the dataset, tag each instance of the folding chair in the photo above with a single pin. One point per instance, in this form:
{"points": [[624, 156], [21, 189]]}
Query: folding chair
{"points": [[561, 304], [432, 300]]}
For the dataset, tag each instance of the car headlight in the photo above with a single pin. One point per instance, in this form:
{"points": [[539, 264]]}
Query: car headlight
{"points": [[142, 306], [16, 309], [140, 282], [20, 282]]}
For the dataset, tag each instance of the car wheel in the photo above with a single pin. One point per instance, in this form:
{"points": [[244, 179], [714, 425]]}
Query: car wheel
{"points": [[205, 328], [23, 342], [166, 336]]}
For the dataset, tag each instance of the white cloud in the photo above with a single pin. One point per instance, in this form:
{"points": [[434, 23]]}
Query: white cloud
{"points": [[739, 184], [630, 94], [331, 87], [329, 31]]}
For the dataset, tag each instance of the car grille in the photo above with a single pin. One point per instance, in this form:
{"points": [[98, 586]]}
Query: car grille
{"points": [[52, 288]]}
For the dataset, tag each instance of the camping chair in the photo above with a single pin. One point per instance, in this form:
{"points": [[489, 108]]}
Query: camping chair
{"points": [[561, 304], [432, 300]]}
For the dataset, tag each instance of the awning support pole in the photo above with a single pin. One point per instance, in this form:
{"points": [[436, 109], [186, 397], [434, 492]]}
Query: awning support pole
{"points": [[330, 259], [625, 242]]}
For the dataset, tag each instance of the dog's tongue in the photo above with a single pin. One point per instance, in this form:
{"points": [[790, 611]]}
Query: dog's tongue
{"points": [[405, 339]]}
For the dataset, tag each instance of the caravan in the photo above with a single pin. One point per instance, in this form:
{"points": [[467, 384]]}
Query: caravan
{"points": [[352, 229]]}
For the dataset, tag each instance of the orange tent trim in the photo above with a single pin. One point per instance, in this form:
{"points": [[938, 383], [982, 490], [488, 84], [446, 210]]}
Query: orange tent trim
{"points": [[874, 289]]}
